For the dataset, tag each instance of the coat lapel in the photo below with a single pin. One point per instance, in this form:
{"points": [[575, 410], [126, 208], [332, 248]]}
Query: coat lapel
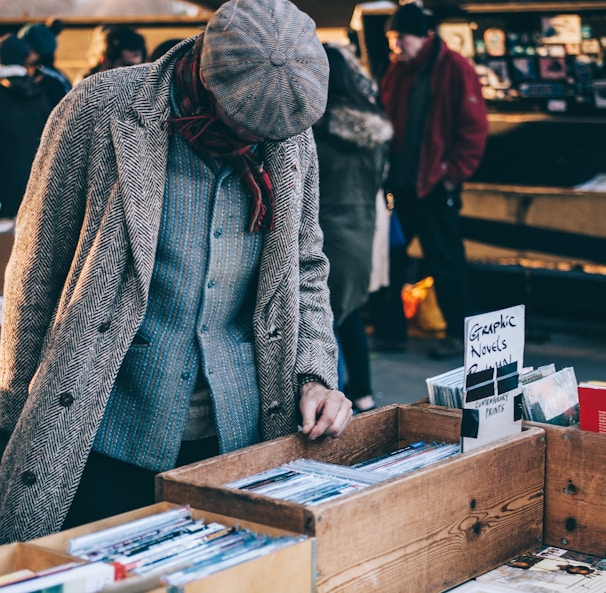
{"points": [[282, 162], [141, 143]]}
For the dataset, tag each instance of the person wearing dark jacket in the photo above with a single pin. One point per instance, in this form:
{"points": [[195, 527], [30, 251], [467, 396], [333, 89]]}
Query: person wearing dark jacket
{"points": [[434, 100], [24, 110], [42, 44], [352, 138]]}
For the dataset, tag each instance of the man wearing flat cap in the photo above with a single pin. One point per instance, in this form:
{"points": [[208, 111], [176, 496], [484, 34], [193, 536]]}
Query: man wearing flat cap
{"points": [[434, 100], [166, 298]]}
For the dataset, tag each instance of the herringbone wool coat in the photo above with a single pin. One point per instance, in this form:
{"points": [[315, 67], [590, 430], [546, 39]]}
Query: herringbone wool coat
{"points": [[77, 284]]}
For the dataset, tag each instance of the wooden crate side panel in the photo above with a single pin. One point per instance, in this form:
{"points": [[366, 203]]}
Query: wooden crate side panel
{"points": [[418, 423], [287, 570], [224, 468], [19, 556], [438, 527], [368, 435], [575, 489], [240, 505]]}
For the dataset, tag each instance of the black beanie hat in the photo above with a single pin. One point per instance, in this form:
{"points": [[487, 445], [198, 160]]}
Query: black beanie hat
{"points": [[408, 19]]}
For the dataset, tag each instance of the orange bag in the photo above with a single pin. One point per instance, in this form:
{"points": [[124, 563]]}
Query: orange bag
{"points": [[421, 308]]}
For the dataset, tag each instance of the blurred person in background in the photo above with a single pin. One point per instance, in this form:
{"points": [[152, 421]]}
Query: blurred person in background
{"points": [[42, 40], [115, 46], [162, 48], [42, 44], [24, 109], [434, 100], [352, 139]]}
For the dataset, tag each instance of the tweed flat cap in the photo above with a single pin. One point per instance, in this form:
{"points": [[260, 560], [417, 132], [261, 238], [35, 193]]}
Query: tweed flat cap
{"points": [[263, 62]]}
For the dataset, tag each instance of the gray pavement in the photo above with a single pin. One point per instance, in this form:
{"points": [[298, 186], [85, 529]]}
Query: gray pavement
{"points": [[399, 377]]}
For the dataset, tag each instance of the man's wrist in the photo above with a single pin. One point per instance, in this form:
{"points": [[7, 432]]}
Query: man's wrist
{"points": [[306, 379]]}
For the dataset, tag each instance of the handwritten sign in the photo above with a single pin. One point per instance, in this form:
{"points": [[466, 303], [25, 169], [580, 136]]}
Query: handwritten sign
{"points": [[494, 356], [494, 339]]}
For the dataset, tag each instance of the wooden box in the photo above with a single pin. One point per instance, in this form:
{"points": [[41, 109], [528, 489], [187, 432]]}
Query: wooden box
{"points": [[421, 532], [575, 486], [575, 489], [289, 569]]}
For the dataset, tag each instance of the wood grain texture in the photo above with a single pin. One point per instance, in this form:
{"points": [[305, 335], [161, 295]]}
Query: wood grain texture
{"points": [[421, 532], [575, 489], [20, 556]]}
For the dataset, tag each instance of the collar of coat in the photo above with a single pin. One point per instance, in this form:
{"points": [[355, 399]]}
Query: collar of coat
{"points": [[363, 129]]}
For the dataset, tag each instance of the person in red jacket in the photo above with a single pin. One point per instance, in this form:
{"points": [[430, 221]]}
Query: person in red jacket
{"points": [[433, 98]]}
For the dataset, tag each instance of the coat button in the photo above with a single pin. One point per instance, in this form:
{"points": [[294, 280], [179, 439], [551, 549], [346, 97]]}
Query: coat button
{"points": [[66, 400], [28, 478], [103, 327], [274, 408]]}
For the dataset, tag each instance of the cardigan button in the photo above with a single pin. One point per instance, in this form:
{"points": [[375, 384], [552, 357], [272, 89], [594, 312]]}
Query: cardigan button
{"points": [[66, 400], [28, 478]]}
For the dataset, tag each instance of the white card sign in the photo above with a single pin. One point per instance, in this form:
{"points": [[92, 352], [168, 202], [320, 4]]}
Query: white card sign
{"points": [[494, 357]]}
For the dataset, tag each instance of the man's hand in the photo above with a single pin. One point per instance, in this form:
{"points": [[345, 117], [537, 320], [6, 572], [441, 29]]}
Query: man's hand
{"points": [[324, 411]]}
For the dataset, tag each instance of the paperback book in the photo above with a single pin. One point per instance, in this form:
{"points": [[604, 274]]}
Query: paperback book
{"points": [[592, 406], [553, 398]]}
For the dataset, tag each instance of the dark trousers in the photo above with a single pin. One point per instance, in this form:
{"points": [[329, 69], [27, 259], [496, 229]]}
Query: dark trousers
{"points": [[384, 308], [110, 487], [353, 344], [435, 220]]}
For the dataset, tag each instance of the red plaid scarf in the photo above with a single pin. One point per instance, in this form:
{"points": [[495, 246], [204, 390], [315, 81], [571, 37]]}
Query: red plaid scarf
{"points": [[201, 127]]}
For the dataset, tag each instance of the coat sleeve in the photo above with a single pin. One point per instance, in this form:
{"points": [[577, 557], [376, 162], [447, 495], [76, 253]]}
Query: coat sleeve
{"points": [[47, 229], [470, 123], [316, 350]]}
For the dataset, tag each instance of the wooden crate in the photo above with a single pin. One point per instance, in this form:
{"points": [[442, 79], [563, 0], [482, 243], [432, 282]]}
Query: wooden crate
{"points": [[421, 532], [289, 569], [575, 489], [575, 486]]}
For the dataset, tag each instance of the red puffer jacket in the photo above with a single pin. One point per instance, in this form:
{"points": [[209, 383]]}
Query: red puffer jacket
{"points": [[456, 127]]}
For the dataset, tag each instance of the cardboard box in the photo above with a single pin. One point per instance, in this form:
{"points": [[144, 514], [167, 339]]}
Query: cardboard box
{"points": [[421, 532], [575, 489], [289, 569]]}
